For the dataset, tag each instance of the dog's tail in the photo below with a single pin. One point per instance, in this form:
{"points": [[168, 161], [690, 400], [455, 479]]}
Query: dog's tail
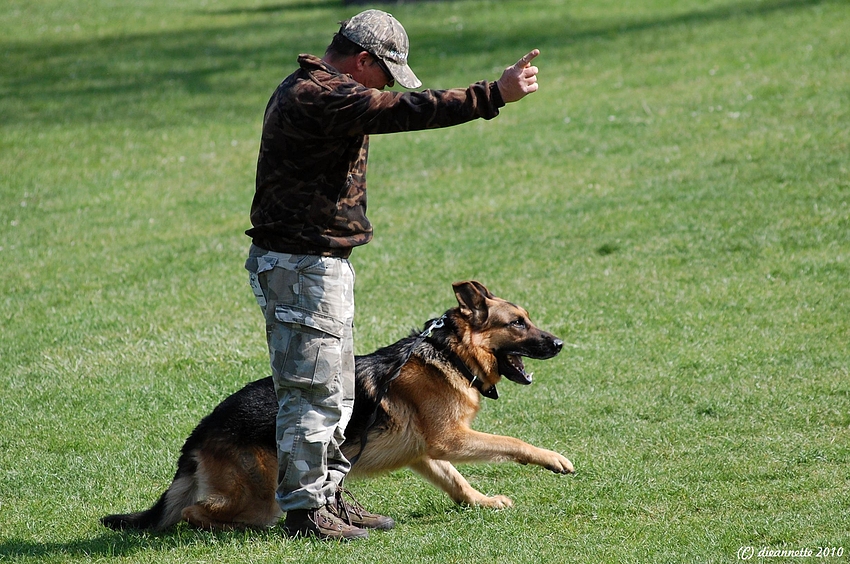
{"points": [[168, 510]]}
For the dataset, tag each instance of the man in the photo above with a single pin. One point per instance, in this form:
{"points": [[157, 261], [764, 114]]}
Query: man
{"points": [[308, 213]]}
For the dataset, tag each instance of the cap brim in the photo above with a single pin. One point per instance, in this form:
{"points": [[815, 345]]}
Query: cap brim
{"points": [[403, 75]]}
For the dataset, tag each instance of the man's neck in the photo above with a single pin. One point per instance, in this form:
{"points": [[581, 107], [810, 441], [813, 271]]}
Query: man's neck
{"points": [[342, 64]]}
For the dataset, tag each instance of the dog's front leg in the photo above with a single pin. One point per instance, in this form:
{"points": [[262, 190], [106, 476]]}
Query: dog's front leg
{"points": [[474, 446], [445, 476]]}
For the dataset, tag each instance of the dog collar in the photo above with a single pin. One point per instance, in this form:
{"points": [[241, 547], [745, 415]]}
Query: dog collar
{"points": [[474, 381], [457, 362]]}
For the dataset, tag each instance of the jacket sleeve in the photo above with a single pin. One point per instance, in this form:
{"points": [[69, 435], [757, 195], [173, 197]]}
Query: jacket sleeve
{"points": [[353, 109]]}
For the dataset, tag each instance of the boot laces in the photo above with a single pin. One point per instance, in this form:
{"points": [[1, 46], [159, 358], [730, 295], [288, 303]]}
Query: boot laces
{"points": [[345, 508], [326, 520]]}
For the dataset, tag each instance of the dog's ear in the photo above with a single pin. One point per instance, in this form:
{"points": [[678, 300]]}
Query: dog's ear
{"points": [[472, 297]]}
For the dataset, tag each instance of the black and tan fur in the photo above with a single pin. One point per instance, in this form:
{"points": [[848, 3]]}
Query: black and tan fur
{"points": [[226, 475]]}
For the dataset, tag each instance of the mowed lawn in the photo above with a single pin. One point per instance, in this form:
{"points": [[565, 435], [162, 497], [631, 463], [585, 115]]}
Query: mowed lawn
{"points": [[674, 203]]}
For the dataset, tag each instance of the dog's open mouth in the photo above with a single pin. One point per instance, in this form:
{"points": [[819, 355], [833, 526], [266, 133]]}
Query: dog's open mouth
{"points": [[512, 368]]}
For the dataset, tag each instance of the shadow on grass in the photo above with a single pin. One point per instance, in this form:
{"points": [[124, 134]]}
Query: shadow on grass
{"points": [[104, 545], [127, 543], [271, 8], [204, 72], [288, 7], [118, 544]]}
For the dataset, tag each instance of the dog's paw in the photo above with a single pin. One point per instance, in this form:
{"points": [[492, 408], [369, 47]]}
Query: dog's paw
{"points": [[560, 465], [496, 502]]}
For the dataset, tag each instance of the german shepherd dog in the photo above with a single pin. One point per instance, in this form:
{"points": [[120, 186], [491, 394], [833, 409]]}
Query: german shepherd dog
{"points": [[414, 403]]}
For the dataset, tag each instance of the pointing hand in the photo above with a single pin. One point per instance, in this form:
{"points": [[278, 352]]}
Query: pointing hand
{"points": [[519, 79]]}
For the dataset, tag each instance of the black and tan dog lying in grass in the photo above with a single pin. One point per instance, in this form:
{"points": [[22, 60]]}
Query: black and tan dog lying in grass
{"points": [[417, 417]]}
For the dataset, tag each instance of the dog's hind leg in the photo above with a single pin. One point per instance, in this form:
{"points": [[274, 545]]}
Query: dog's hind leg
{"points": [[445, 476], [212, 514], [223, 514], [235, 490]]}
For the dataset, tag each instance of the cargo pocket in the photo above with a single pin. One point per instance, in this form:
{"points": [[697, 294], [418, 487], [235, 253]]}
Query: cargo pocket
{"points": [[313, 356], [297, 316]]}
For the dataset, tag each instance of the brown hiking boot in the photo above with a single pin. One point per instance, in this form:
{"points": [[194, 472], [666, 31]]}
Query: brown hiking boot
{"points": [[354, 513], [322, 524]]}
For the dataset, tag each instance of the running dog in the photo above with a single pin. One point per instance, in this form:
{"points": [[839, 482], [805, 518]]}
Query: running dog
{"points": [[414, 403]]}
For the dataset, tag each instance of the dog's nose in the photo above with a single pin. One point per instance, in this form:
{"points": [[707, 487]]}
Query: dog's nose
{"points": [[559, 344]]}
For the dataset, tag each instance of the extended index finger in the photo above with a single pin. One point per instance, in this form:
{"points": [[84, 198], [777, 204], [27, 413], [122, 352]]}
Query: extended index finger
{"points": [[526, 60]]}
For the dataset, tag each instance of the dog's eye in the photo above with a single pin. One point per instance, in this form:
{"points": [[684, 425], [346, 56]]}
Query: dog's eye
{"points": [[518, 323]]}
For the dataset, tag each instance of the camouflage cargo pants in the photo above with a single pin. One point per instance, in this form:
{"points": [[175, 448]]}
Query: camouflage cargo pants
{"points": [[308, 303]]}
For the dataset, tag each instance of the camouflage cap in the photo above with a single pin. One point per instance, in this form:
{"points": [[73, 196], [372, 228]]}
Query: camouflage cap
{"points": [[382, 35]]}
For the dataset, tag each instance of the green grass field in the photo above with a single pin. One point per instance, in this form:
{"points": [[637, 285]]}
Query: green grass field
{"points": [[674, 203]]}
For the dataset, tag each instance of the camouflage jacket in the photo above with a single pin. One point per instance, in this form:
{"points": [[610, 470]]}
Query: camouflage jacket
{"points": [[311, 174]]}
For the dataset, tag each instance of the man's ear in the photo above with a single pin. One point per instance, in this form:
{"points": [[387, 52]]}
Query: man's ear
{"points": [[361, 60], [472, 297]]}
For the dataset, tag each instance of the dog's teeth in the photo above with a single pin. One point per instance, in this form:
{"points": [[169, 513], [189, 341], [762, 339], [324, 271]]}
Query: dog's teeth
{"points": [[530, 375]]}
